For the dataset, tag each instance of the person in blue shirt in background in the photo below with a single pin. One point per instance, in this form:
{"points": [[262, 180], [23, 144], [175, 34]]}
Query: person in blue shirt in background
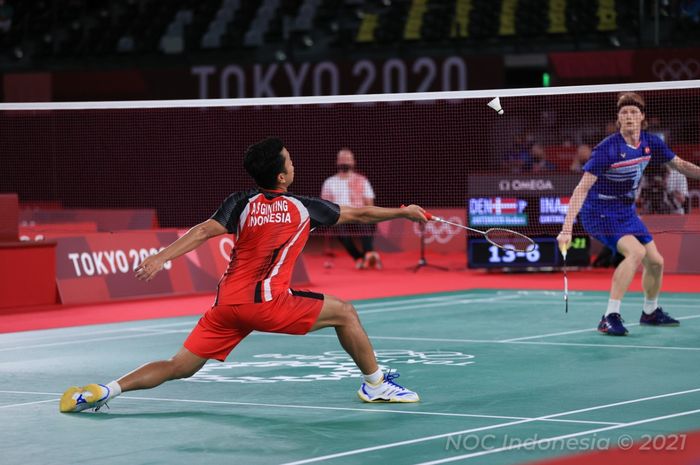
{"points": [[605, 198]]}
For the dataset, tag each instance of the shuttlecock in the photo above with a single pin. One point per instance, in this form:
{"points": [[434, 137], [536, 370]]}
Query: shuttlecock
{"points": [[496, 105]]}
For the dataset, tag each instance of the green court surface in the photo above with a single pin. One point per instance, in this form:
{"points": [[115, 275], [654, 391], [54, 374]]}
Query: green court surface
{"points": [[494, 369]]}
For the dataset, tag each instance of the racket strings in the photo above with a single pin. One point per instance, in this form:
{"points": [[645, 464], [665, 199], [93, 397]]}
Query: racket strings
{"points": [[510, 240]]}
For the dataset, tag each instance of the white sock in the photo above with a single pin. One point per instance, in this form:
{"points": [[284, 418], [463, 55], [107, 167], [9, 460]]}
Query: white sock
{"points": [[374, 378], [114, 389], [650, 305], [613, 306]]}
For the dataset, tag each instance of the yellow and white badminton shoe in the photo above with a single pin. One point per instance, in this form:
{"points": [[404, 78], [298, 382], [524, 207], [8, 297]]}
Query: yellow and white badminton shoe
{"points": [[77, 399]]}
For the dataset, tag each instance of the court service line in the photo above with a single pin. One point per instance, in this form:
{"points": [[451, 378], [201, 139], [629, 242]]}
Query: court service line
{"points": [[433, 305], [30, 403], [83, 341], [484, 428], [563, 333], [636, 295], [394, 301], [319, 407], [559, 438], [603, 303], [389, 307], [489, 341], [350, 409], [42, 336], [193, 319], [159, 332]]}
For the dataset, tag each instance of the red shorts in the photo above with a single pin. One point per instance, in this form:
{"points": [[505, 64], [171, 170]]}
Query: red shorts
{"points": [[223, 326]]}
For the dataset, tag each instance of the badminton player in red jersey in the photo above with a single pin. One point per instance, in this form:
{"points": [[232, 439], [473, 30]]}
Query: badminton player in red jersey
{"points": [[271, 227]]}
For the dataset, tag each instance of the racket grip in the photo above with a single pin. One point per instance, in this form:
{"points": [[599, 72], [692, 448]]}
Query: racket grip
{"points": [[563, 251], [427, 215]]}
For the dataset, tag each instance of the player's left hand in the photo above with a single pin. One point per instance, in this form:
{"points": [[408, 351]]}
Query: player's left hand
{"points": [[149, 267], [564, 240]]}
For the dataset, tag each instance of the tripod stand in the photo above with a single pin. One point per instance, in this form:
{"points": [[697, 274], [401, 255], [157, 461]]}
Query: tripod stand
{"points": [[422, 262]]}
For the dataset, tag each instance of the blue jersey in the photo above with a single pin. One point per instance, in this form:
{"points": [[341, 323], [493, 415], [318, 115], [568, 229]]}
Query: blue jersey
{"points": [[608, 212], [619, 167]]}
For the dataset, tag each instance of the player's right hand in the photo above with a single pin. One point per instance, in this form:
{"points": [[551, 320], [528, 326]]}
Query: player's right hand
{"points": [[564, 240], [414, 213]]}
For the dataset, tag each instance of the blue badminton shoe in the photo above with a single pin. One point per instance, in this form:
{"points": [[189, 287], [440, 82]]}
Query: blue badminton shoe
{"points": [[77, 399], [612, 325], [658, 318], [386, 391]]}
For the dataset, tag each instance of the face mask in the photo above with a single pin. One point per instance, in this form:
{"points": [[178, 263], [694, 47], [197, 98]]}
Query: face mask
{"points": [[344, 168]]}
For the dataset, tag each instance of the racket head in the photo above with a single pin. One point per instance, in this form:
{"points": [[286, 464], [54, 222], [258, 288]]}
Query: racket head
{"points": [[507, 239]]}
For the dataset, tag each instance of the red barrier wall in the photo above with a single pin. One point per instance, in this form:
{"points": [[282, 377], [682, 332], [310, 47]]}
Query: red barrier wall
{"points": [[27, 273], [9, 211], [677, 237], [98, 267]]}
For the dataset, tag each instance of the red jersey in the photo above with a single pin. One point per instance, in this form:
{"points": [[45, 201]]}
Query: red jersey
{"points": [[271, 229]]}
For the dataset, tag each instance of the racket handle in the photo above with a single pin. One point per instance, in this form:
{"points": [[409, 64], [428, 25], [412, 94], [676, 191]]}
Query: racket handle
{"points": [[427, 215], [563, 251]]}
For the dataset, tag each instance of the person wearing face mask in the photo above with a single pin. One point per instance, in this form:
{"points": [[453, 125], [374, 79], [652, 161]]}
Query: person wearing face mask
{"points": [[349, 188]]}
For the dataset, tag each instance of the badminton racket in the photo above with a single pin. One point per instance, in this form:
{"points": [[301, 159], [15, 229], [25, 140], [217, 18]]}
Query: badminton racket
{"points": [[500, 237], [566, 282]]}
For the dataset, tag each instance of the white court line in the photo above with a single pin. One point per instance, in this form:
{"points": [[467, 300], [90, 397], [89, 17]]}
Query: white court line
{"points": [[193, 319], [389, 306], [615, 346], [43, 336], [157, 332], [318, 407], [559, 438], [637, 295], [485, 428], [388, 301], [83, 341], [488, 341], [190, 322], [581, 331], [433, 305], [31, 403], [396, 338], [602, 302]]}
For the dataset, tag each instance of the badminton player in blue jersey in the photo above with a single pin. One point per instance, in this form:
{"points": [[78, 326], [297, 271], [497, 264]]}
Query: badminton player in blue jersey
{"points": [[605, 199]]}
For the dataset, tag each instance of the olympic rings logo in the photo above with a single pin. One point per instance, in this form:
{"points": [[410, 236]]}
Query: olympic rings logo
{"points": [[442, 233], [676, 69]]}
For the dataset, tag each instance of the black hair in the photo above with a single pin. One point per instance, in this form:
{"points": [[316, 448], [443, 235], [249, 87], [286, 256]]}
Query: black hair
{"points": [[264, 161]]}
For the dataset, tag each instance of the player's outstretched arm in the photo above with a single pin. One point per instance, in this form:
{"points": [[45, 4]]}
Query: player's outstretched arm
{"points": [[368, 215], [575, 204], [685, 167], [192, 239]]}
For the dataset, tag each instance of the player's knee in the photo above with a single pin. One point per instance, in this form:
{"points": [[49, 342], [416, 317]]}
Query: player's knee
{"points": [[348, 314], [636, 254], [655, 262]]}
